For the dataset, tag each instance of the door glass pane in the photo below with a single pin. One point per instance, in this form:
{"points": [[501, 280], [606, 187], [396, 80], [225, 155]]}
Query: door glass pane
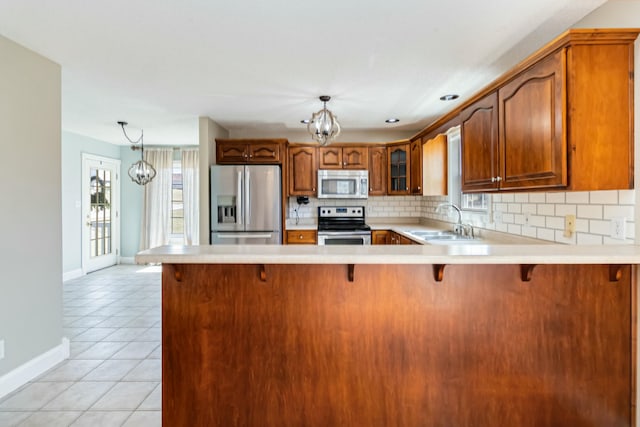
{"points": [[100, 212]]}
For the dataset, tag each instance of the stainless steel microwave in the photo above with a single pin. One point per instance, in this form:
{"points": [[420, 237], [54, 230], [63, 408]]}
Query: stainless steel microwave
{"points": [[343, 184]]}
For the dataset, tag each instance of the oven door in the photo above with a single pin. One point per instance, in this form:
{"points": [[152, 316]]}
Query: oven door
{"points": [[343, 238]]}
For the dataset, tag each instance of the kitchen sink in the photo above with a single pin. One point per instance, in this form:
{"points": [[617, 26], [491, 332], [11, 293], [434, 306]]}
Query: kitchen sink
{"points": [[441, 236], [431, 233]]}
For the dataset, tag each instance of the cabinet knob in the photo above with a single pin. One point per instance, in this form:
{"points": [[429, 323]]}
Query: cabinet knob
{"points": [[418, 187], [498, 178], [300, 237], [250, 155], [407, 188], [493, 179], [371, 189], [313, 189]]}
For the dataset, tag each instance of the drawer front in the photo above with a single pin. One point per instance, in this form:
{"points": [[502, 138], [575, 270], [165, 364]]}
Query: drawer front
{"points": [[302, 237]]}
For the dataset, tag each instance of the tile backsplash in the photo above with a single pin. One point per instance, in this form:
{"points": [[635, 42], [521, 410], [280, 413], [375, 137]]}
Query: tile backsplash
{"points": [[537, 215]]}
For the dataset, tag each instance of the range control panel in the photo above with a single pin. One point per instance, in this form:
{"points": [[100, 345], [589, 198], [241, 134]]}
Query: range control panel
{"points": [[341, 211]]}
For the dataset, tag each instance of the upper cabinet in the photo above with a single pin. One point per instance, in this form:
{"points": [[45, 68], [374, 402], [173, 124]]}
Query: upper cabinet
{"points": [[399, 165], [415, 172], [336, 157], [302, 171], [377, 171], [434, 166], [255, 151], [562, 120]]}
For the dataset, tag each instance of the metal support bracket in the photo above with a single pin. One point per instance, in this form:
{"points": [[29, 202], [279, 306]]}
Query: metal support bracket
{"points": [[263, 273], [526, 271], [615, 272], [350, 271], [438, 272]]}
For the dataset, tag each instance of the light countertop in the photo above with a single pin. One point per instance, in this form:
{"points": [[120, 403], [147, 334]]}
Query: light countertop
{"points": [[393, 254]]}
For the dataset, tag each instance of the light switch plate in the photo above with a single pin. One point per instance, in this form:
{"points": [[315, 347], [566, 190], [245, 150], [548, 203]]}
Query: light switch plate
{"points": [[618, 228], [569, 225], [1, 349]]}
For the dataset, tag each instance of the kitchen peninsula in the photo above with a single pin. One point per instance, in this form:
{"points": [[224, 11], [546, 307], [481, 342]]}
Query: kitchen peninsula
{"points": [[464, 335]]}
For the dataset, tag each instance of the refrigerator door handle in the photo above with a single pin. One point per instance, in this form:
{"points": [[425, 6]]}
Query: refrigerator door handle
{"points": [[240, 213], [244, 236], [247, 195]]}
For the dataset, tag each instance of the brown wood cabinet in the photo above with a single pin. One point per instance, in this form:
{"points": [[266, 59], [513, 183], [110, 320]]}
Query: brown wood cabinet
{"points": [[302, 237], [563, 121], [415, 172], [380, 237], [240, 151], [434, 166], [399, 165], [377, 171], [341, 157], [302, 171]]}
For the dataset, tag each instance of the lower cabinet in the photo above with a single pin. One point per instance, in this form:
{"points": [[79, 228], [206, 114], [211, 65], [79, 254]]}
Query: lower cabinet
{"points": [[388, 237], [302, 237]]}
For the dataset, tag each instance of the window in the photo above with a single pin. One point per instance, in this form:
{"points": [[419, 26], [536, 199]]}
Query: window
{"points": [[478, 202], [177, 205]]}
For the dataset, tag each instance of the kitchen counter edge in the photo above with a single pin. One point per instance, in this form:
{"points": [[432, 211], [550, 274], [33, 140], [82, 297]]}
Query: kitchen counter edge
{"points": [[392, 254]]}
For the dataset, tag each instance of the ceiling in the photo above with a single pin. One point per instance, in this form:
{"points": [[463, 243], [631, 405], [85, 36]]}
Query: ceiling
{"points": [[261, 65]]}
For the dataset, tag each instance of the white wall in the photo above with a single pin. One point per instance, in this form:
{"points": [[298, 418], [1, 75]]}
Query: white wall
{"points": [[31, 214]]}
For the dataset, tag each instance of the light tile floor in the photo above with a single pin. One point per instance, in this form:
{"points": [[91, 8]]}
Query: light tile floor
{"points": [[113, 376]]}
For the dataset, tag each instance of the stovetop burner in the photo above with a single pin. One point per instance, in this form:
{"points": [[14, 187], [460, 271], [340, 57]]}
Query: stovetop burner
{"points": [[341, 218]]}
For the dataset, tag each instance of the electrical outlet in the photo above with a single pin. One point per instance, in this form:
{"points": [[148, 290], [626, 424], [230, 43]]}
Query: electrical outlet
{"points": [[569, 225], [618, 228], [1, 349]]}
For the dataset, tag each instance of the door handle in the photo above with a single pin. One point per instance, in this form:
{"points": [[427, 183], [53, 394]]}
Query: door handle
{"points": [[240, 212], [247, 193]]}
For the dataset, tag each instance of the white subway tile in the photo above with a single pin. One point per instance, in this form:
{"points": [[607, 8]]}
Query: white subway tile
{"points": [[507, 218], [562, 210], [507, 198], [555, 223], [496, 197], [589, 239], [627, 197], [608, 197], [590, 211], [548, 210], [537, 220], [514, 229], [545, 234], [537, 198], [518, 219], [502, 227], [530, 208], [630, 230], [521, 197], [599, 227], [577, 197], [561, 238], [618, 211], [502, 207], [529, 231], [515, 208], [609, 241], [582, 225], [554, 197]]}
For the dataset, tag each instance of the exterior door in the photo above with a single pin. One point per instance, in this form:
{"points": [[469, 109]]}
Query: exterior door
{"points": [[100, 212]]}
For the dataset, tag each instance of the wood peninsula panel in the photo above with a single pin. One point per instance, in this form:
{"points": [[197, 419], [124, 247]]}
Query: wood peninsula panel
{"points": [[395, 348]]}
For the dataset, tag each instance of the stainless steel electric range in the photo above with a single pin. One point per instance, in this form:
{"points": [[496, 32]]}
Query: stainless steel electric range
{"points": [[342, 225]]}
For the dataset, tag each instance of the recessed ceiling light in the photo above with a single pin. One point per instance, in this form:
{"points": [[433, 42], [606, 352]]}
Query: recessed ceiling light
{"points": [[392, 120], [449, 97], [304, 121]]}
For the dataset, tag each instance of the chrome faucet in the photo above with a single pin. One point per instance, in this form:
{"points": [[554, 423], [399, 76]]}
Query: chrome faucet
{"points": [[450, 205]]}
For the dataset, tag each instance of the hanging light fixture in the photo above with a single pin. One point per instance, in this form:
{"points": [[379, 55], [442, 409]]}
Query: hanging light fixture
{"points": [[323, 125], [141, 172]]}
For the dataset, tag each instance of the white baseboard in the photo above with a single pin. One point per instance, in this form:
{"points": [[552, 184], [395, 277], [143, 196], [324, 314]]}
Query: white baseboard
{"points": [[33, 368], [127, 260], [73, 274]]}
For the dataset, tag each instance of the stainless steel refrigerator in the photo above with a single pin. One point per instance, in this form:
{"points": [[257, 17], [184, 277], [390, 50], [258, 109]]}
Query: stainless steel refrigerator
{"points": [[246, 205]]}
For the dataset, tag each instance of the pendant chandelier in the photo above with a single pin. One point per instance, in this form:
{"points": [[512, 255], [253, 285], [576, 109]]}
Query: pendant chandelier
{"points": [[323, 125], [141, 172]]}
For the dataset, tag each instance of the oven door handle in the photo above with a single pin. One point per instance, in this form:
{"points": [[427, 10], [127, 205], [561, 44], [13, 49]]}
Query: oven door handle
{"points": [[344, 233]]}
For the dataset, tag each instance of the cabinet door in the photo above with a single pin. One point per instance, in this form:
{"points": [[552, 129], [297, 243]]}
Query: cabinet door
{"points": [[267, 152], [330, 157], [231, 152], [380, 237], [398, 169], [479, 147], [303, 171], [434, 166], [533, 150], [354, 157], [377, 171], [415, 172]]}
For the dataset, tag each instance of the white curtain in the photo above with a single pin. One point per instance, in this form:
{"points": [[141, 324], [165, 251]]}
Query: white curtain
{"points": [[156, 209], [190, 195]]}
